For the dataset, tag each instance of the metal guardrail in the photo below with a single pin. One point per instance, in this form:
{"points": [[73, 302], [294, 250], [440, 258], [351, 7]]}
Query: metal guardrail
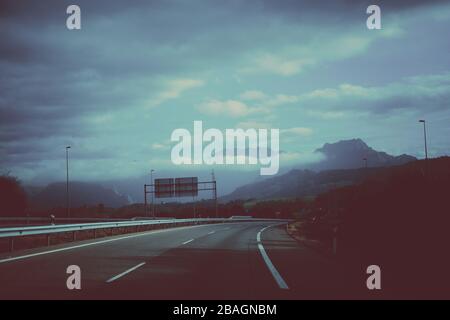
{"points": [[6, 222], [26, 231], [46, 219], [14, 232]]}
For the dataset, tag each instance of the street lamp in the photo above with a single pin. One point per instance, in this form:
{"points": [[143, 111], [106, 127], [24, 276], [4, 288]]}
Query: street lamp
{"points": [[67, 183], [365, 162], [153, 191], [425, 138]]}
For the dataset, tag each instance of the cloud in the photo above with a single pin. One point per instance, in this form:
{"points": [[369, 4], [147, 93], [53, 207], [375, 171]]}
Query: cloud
{"points": [[281, 99], [340, 35], [297, 131], [300, 158], [252, 124], [253, 95], [326, 115], [96, 88], [261, 103], [264, 100], [292, 59], [278, 65], [292, 136], [413, 93], [174, 88], [230, 108]]}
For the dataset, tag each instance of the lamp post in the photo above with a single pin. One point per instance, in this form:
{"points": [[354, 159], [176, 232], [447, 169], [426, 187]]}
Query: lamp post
{"points": [[67, 183], [425, 138], [153, 191], [365, 163]]}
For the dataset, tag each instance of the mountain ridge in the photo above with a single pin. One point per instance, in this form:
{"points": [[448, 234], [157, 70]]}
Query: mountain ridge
{"points": [[81, 194], [297, 181], [350, 154], [343, 165]]}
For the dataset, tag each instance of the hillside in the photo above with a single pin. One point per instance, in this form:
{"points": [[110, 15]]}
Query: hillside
{"points": [[398, 220], [81, 194], [344, 157]]}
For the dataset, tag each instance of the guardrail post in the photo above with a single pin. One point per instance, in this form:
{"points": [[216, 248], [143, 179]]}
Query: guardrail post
{"points": [[74, 236], [95, 233], [11, 244], [48, 240]]}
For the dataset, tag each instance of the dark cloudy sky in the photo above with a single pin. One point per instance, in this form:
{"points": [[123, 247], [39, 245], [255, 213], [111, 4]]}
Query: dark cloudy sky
{"points": [[137, 70]]}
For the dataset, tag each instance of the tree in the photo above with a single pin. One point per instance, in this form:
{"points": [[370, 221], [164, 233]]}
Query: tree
{"points": [[14, 198]]}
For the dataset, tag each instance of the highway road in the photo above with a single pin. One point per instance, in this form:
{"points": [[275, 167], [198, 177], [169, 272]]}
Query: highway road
{"points": [[244, 260]]}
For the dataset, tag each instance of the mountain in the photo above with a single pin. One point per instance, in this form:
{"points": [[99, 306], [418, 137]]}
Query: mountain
{"points": [[349, 154], [115, 193], [81, 193], [345, 158], [299, 183]]}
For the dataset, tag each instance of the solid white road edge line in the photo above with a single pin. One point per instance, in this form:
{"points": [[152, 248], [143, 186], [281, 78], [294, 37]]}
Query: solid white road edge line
{"points": [[277, 276], [186, 242], [125, 272]]}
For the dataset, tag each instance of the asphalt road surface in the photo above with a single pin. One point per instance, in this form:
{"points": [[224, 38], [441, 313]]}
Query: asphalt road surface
{"points": [[251, 260]]}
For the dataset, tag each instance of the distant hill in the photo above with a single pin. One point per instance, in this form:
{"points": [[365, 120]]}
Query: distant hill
{"points": [[345, 158], [81, 193], [349, 154], [300, 183], [232, 184]]}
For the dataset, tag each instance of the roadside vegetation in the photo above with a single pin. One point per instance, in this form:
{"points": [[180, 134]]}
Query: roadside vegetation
{"points": [[398, 220], [13, 197]]}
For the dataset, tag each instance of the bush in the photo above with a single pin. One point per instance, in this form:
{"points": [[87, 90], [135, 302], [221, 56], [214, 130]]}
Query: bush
{"points": [[13, 197]]}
